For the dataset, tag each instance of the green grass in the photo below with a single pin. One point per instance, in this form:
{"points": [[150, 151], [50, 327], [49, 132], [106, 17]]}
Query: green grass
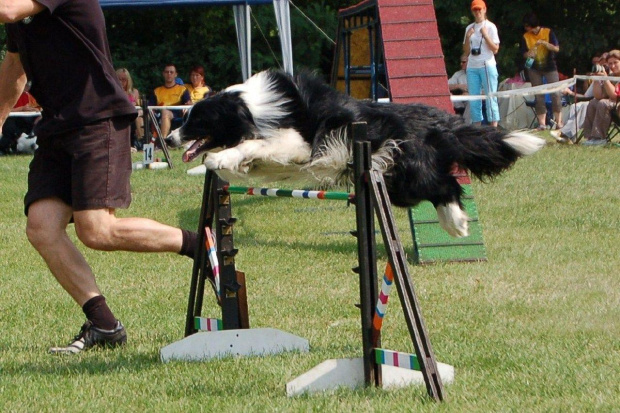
{"points": [[536, 328]]}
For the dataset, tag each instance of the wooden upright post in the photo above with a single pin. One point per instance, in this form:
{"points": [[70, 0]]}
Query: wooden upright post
{"points": [[366, 250]]}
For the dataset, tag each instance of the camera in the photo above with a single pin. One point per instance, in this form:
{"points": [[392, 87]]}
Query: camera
{"points": [[597, 68], [475, 51]]}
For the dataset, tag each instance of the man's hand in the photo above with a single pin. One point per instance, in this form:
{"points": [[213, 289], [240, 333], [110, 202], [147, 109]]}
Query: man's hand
{"points": [[12, 82], [12, 11]]}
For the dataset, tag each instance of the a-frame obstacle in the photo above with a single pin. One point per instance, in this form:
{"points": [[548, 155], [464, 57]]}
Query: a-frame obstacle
{"points": [[377, 366]]}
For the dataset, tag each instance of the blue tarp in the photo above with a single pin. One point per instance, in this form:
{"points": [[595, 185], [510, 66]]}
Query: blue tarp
{"points": [[154, 3]]}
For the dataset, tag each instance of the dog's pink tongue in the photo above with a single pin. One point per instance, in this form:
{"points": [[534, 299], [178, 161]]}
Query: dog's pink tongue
{"points": [[190, 153]]}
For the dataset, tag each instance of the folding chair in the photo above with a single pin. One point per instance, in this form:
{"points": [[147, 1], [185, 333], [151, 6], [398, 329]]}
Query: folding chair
{"points": [[532, 105], [614, 126]]}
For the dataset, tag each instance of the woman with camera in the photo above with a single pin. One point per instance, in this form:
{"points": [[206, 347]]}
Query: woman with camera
{"points": [[539, 46], [606, 97], [481, 43]]}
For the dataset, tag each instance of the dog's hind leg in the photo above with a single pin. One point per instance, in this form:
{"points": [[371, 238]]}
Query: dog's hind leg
{"points": [[453, 219]]}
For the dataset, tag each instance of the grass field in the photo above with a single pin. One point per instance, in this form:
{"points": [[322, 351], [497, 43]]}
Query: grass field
{"points": [[536, 328]]}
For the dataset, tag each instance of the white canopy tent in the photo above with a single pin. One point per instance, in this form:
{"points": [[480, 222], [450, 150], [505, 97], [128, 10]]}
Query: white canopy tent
{"points": [[242, 24]]}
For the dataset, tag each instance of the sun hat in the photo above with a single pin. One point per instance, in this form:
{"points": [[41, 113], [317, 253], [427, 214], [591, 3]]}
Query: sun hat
{"points": [[478, 4]]}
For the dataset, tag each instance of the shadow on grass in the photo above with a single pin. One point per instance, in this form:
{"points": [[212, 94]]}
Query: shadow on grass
{"points": [[91, 362]]}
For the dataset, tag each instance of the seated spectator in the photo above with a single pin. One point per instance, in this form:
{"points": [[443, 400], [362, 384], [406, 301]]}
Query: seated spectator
{"points": [[197, 87], [576, 116], [170, 94], [606, 94], [15, 126], [134, 97], [458, 85]]}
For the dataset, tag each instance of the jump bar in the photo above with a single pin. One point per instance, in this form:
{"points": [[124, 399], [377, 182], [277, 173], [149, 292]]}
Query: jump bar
{"points": [[291, 193]]}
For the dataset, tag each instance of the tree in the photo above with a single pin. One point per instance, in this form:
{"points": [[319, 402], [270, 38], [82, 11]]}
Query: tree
{"points": [[144, 39], [583, 29]]}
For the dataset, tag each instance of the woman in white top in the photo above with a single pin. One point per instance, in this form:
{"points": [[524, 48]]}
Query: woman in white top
{"points": [[481, 43]]}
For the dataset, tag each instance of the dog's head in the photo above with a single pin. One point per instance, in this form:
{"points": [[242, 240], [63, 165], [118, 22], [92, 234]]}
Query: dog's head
{"points": [[219, 121]]}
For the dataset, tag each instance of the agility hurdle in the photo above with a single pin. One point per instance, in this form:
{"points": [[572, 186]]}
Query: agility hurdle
{"points": [[377, 366]]}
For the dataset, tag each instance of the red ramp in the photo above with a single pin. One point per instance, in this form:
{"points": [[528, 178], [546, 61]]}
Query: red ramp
{"points": [[391, 45], [414, 59]]}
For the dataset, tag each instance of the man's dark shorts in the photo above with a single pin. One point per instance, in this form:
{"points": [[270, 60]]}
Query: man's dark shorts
{"points": [[88, 168]]}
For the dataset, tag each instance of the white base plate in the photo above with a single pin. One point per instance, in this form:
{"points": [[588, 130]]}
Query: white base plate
{"points": [[335, 373], [244, 342], [197, 170]]}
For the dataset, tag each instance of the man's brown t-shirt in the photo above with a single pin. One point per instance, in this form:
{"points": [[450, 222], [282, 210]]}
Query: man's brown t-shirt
{"points": [[65, 54]]}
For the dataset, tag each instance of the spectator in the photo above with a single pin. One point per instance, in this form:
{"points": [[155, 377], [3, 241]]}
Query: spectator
{"points": [[603, 61], [170, 94], [81, 171], [539, 46], [134, 97], [15, 126], [197, 87], [576, 116], [481, 43], [458, 85], [606, 94]]}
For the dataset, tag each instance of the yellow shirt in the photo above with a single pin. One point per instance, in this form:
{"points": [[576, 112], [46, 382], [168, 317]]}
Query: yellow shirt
{"points": [[542, 53], [197, 94], [171, 96]]}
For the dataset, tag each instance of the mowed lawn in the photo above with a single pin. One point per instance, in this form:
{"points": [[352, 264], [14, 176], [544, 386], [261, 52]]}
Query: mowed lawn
{"points": [[536, 328]]}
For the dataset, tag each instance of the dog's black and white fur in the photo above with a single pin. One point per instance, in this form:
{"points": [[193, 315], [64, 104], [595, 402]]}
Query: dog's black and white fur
{"points": [[278, 127]]}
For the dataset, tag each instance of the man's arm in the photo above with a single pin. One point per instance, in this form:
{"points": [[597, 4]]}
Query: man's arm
{"points": [[12, 82], [12, 11]]}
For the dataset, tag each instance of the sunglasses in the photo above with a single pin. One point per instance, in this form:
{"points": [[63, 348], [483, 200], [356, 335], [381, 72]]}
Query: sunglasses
{"points": [[476, 9]]}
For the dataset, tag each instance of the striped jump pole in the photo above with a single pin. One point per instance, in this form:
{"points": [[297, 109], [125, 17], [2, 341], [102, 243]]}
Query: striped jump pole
{"points": [[212, 253], [291, 193], [384, 294]]}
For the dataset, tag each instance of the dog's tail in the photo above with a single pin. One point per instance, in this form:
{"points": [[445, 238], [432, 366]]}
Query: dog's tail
{"points": [[487, 151]]}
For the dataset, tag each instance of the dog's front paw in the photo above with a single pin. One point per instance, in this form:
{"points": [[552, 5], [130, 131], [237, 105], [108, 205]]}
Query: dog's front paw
{"points": [[212, 162], [228, 159]]}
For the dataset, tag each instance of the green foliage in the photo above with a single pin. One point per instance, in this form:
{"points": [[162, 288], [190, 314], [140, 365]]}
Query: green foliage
{"points": [[144, 39], [582, 28]]}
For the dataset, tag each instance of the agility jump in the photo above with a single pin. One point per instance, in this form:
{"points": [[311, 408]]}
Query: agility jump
{"points": [[370, 197]]}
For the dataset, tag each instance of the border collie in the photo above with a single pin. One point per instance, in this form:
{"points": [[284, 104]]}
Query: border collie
{"points": [[276, 127]]}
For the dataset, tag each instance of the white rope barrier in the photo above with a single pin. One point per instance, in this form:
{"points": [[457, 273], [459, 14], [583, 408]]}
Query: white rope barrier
{"points": [[533, 90], [24, 114], [170, 107]]}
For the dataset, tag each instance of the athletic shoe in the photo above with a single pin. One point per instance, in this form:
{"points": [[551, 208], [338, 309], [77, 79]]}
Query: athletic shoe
{"points": [[91, 336], [560, 137], [595, 142]]}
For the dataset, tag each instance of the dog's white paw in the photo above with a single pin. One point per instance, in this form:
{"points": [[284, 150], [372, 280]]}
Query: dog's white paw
{"points": [[229, 159], [453, 219]]}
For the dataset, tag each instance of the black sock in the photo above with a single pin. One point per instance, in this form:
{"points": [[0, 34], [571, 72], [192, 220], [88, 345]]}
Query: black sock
{"points": [[98, 312], [190, 240]]}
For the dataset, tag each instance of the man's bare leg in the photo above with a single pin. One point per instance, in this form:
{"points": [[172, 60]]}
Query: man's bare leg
{"points": [[47, 232]]}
